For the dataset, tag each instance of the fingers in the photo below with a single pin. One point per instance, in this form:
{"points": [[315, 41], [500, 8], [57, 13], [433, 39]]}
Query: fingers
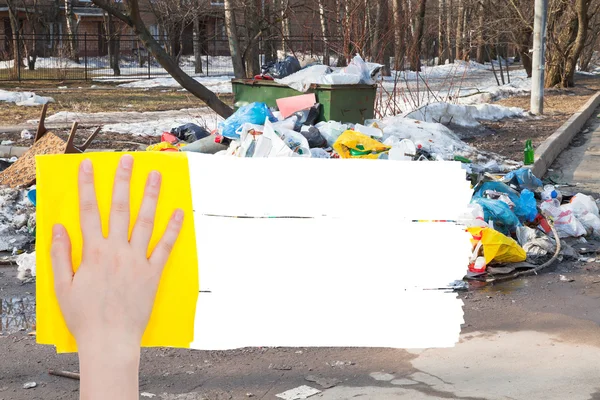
{"points": [[119, 211], [60, 255], [144, 225], [163, 249], [91, 227]]}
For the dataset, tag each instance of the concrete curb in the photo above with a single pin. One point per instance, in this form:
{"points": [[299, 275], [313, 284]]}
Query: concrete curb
{"points": [[549, 150]]}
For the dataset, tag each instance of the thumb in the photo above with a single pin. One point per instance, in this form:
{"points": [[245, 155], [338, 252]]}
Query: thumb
{"points": [[60, 254]]}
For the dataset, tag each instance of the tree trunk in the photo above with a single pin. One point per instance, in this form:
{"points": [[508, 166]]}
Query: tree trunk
{"points": [[116, 54], [582, 31], [441, 39], [251, 55], [270, 44], [415, 62], [567, 31], [398, 35], [234, 44], [480, 33], [324, 33], [525, 39], [459, 29], [71, 26], [197, 45], [449, 47], [588, 52], [16, 43]]}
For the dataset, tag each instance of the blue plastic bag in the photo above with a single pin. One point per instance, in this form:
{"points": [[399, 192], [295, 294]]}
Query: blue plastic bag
{"points": [[526, 206], [498, 187], [499, 212], [524, 179], [253, 113]]}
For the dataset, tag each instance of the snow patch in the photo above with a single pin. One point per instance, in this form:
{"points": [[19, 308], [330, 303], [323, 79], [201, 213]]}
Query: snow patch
{"points": [[464, 115], [24, 98], [217, 84]]}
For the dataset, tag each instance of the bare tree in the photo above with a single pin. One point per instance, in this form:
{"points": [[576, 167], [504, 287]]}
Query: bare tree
{"points": [[233, 39], [72, 25], [567, 33], [130, 15], [398, 36], [415, 62]]}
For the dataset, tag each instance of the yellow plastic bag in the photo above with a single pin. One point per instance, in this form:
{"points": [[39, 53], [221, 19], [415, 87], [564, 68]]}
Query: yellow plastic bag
{"points": [[163, 146], [353, 144], [496, 246]]}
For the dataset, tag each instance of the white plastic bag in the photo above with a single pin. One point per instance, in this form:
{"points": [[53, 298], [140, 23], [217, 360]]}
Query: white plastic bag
{"points": [[473, 216], [295, 141], [25, 262], [331, 130], [358, 67], [269, 144], [567, 224], [319, 153], [586, 211]]}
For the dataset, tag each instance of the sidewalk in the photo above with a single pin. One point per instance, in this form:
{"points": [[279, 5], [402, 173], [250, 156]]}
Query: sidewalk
{"points": [[580, 162]]}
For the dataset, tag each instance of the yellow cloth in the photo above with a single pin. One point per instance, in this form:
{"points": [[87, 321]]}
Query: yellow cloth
{"points": [[172, 320], [498, 247]]}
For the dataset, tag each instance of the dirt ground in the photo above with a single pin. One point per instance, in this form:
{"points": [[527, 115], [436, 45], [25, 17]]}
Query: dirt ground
{"points": [[104, 140], [103, 98], [507, 137], [263, 372]]}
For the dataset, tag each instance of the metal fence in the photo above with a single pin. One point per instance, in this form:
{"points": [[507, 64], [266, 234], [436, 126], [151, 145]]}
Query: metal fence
{"points": [[102, 58]]}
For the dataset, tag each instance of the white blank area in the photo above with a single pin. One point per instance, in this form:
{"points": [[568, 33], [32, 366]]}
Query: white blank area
{"points": [[348, 188], [327, 282]]}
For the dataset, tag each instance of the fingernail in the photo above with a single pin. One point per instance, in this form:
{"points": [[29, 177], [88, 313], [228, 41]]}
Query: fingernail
{"points": [[57, 231], [178, 215], [154, 178], [86, 165], [127, 162]]}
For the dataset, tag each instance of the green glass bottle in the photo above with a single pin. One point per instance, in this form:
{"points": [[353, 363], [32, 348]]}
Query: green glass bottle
{"points": [[528, 153]]}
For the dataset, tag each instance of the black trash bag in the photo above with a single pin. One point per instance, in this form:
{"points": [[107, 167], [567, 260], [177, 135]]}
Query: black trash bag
{"points": [[190, 132], [307, 117], [314, 137], [281, 69]]}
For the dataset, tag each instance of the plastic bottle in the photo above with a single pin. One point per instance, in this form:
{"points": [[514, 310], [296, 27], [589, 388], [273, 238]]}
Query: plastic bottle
{"points": [[550, 192], [528, 158]]}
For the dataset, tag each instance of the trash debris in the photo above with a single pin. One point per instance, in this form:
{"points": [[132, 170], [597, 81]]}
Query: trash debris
{"points": [[29, 385], [281, 69], [190, 132], [65, 374], [253, 113], [325, 383], [352, 144], [496, 246], [289, 105], [146, 394], [25, 134], [26, 262], [298, 393], [565, 279]]}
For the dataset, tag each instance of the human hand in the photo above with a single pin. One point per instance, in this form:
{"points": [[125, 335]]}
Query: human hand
{"points": [[107, 303]]}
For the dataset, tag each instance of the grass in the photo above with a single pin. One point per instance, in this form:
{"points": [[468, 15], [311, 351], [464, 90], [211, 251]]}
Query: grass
{"points": [[104, 98]]}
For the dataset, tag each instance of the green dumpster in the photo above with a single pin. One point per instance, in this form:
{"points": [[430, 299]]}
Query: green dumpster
{"points": [[344, 103]]}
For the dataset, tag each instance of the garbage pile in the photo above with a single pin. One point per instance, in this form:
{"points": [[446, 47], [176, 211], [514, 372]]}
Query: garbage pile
{"points": [[255, 130], [17, 220], [289, 72], [520, 225]]}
